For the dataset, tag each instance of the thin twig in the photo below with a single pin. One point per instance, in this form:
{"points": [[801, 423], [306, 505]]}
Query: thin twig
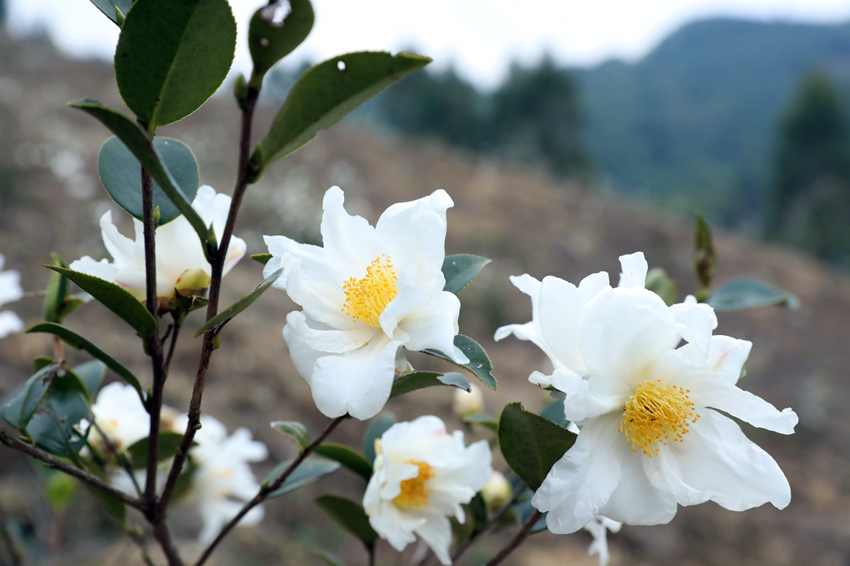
{"points": [[69, 469], [269, 488], [119, 457], [175, 330], [517, 540], [163, 536], [139, 539], [217, 269], [489, 525]]}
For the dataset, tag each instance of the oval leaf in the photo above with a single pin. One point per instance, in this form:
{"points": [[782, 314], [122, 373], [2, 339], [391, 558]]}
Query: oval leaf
{"points": [[115, 298], [119, 172], [57, 292], [479, 362], [297, 431], [169, 443], [348, 457], [376, 430], [310, 471], [172, 56], [223, 317], [482, 419], [64, 406], [460, 269], [325, 94], [80, 343], [271, 38], [422, 379], [531, 444], [350, 516], [22, 403], [745, 293], [140, 145], [108, 8], [261, 258], [91, 375]]}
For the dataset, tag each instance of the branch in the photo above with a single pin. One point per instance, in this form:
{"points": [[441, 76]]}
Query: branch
{"points": [[489, 525], [122, 461], [269, 488], [61, 465], [517, 540]]}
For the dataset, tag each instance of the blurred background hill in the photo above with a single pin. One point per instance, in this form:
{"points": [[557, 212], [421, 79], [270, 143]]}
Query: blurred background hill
{"points": [[556, 171]]}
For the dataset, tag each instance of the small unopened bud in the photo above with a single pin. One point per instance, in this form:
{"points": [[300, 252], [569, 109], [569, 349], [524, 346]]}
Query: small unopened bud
{"points": [[496, 492], [193, 283], [465, 404]]}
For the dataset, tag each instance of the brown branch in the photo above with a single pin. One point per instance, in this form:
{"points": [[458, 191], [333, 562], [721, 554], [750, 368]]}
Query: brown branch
{"points": [[517, 540], [122, 461], [269, 488], [61, 465], [489, 525]]}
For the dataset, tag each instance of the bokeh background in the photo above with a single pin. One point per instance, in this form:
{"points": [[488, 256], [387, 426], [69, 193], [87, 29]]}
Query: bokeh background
{"points": [[555, 168]]}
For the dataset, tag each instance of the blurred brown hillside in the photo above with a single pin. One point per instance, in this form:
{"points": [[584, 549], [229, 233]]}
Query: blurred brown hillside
{"points": [[51, 200]]}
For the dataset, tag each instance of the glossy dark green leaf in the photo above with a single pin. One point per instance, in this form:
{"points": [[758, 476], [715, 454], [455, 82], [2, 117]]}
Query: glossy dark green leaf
{"points": [[745, 293], [350, 516], [348, 457], [169, 443], [479, 362], [64, 406], [19, 409], [115, 298], [422, 379], [108, 8], [79, 342], [227, 314], [554, 411], [705, 255], [140, 145], [310, 471], [119, 172], [482, 419], [272, 37], [172, 56], [40, 362], [460, 269], [531, 444], [376, 429], [297, 431], [57, 290], [325, 94], [262, 258], [91, 375]]}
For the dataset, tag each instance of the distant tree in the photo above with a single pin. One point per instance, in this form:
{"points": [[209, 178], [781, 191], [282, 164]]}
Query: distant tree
{"points": [[537, 118], [810, 201]]}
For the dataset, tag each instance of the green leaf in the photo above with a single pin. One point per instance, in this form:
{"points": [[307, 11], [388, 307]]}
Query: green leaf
{"points": [[80, 343], [745, 293], [262, 258], [119, 172], [172, 56], [60, 490], [478, 513], [479, 362], [296, 430], [114, 507], [40, 362], [483, 420], [348, 457], [310, 471], [141, 146], [270, 41], [169, 443], [19, 409], [115, 298], [65, 405], [460, 269], [108, 8], [326, 93], [224, 316], [350, 516], [57, 291], [422, 379], [705, 255], [554, 411], [524, 510], [91, 375], [531, 444], [376, 429], [660, 283]]}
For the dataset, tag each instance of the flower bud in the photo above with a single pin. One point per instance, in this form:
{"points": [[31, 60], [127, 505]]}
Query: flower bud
{"points": [[471, 403], [497, 491]]}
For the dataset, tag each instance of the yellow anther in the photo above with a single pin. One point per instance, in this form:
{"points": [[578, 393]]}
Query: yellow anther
{"points": [[656, 414], [366, 298], [414, 491]]}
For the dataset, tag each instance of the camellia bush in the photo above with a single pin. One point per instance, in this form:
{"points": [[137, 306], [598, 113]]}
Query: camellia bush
{"points": [[645, 396]]}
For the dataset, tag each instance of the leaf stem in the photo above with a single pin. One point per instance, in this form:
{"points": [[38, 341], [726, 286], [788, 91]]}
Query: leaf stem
{"points": [[266, 489]]}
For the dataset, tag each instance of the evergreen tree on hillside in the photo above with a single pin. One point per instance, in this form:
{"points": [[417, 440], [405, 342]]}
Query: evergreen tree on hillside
{"points": [[810, 200]]}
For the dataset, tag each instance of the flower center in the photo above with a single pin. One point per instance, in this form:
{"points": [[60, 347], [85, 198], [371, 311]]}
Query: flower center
{"points": [[657, 414], [366, 298], [414, 491]]}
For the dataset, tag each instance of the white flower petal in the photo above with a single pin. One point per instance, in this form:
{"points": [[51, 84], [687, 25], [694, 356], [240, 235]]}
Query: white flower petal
{"points": [[696, 322], [10, 323], [636, 501], [634, 268], [350, 243], [435, 327], [437, 534], [592, 397]]}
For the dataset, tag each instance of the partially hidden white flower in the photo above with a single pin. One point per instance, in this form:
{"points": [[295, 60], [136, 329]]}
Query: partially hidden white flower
{"points": [[652, 434], [180, 260], [422, 476], [366, 295], [466, 403], [120, 415], [10, 290], [598, 528], [223, 481]]}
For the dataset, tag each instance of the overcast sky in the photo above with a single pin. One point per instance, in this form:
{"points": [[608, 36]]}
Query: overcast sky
{"points": [[478, 36]]}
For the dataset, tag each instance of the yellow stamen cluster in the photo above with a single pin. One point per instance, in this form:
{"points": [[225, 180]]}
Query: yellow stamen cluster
{"points": [[366, 298], [657, 414], [414, 491]]}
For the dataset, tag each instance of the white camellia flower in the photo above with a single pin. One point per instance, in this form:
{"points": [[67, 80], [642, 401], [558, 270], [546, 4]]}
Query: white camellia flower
{"points": [[10, 290], [223, 481], [120, 415], [422, 476], [598, 528], [652, 434], [180, 260], [367, 294]]}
